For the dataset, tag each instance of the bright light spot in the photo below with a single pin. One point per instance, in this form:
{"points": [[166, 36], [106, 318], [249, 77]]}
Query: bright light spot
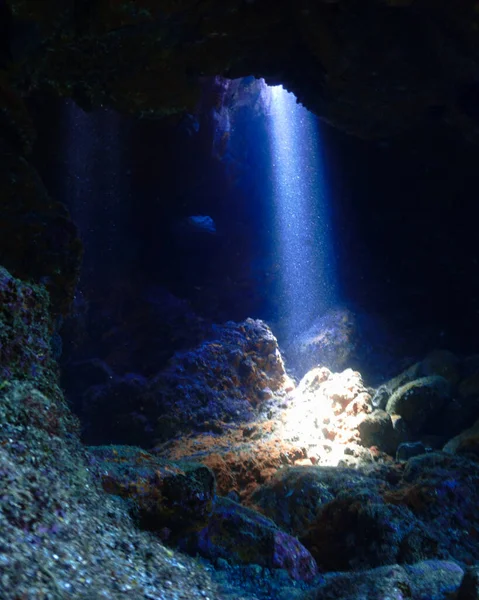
{"points": [[324, 414], [302, 222]]}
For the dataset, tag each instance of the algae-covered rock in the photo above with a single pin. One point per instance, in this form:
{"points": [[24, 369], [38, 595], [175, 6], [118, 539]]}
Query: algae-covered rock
{"points": [[25, 333], [243, 536], [61, 535], [376, 429], [166, 494], [427, 579], [358, 530], [294, 497], [419, 400]]}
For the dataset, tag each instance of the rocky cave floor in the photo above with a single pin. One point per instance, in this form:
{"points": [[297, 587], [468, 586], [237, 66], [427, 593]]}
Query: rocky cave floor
{"points": [[225, 478]]}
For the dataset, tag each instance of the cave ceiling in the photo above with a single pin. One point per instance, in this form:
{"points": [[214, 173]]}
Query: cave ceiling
{"points": [[372, 68]]}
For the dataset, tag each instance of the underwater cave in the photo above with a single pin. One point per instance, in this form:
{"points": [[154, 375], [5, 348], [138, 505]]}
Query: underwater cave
{"points": [[239, 300]]}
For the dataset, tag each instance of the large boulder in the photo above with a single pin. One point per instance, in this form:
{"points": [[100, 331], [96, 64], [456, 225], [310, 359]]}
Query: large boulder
{"points": [[419, 400], [226, 381], [243, 536], [294, 497]]}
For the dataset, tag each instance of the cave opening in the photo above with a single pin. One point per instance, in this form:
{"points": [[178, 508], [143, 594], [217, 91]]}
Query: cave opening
{"points": [[238, 332]]}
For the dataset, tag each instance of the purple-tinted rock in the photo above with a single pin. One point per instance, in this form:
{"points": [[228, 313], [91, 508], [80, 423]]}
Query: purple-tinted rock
{"points": [[223, 380], [244, 536], [219, 383]]}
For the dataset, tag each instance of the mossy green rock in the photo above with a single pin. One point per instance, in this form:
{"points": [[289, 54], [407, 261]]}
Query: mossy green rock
{"points": [[419, 400]]}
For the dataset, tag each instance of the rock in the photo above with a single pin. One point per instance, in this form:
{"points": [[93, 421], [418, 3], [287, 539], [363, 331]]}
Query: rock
{"points": [[329, 342], [376, 429], [22, 405], [294, 497], [407, 450], [38, 240], [117, 411], [326, 408], [222, 380], [466, 442], [385, 391], [441, 490], [470, 386], [78, 376], [442, 363], [179, 497], [427, 579], [358, 530], [241, 459], [218, 384], [29, 390], [243, 536], [469, 589], [455, 416], [62, 536], [401, 430], [419, 400], [381, 397]]}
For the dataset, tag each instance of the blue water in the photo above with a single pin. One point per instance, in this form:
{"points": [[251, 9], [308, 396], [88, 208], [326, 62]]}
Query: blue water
{"points": [[302, 216]]}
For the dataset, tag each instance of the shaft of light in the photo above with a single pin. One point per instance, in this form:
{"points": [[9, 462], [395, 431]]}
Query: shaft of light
{"points": [[302, 219]]}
